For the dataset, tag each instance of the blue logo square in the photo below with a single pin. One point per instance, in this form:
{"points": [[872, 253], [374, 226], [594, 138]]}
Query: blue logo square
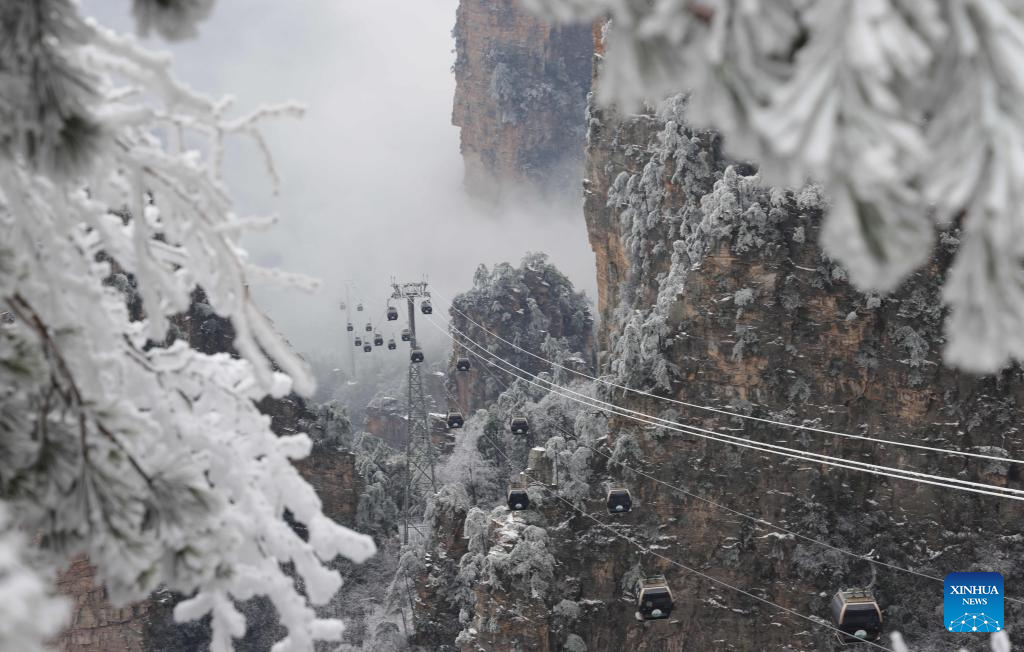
{"points": [[973, 602]]}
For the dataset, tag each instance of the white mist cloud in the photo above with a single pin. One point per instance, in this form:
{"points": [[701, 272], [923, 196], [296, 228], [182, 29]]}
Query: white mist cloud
{"points": [[372, 176]]}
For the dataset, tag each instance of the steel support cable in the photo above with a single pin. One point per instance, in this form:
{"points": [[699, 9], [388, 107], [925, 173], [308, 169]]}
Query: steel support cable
{"points": [[757, 520], [817, 458], [644, 549], [945, 451]]}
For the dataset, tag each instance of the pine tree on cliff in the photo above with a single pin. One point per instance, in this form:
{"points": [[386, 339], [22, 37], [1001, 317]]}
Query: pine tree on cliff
{"points": [[117, 441], [906, 111]]}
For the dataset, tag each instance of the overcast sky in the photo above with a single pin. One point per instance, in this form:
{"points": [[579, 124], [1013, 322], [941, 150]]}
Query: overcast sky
{"points": [[372, 176]]}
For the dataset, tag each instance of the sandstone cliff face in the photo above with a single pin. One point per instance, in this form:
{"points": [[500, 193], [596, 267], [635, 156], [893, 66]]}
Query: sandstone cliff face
{"points": [[96, 625], [521, 87], [385, 418], [714, 291], [727, 300]]}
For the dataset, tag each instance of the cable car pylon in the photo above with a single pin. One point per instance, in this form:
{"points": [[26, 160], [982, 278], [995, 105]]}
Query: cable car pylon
{"points": [[420, 453]]}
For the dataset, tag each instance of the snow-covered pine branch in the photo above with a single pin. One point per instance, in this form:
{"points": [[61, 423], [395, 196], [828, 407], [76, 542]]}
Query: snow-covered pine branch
{"points": [[117, 441], [906, 111]]}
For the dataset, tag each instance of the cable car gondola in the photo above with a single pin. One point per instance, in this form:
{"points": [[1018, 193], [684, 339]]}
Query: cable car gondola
{"points": [[359, 341], [520, 425], [856, 614], [391, 344], [462, 364], [416, 355], [342, 306], [518, 499], [378, 339], [653, 598], [619, 500], [454, 419], [367, 347], [426, 308], [406, 336], [392, 313], [369, 327], [359, 307], [349, 327]]}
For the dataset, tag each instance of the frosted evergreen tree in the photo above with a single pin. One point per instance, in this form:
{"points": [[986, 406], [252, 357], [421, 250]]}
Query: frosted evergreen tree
{"points": [[118, 441], [377, 512], [467, 466], [906, 111]]}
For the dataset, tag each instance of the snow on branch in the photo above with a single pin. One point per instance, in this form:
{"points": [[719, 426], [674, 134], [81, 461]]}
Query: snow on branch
{"points": [[118, 440], [905, 111]]}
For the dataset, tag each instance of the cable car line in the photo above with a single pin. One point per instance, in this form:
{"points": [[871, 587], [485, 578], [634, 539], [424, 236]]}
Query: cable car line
{"points": [[764, 447], [756, 520], [816, 458], [945, 451], [669, 560], [453, 418], [718, 436]]}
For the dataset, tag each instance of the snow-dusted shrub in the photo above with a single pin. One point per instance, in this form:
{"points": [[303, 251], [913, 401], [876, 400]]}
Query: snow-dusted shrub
{"points": [[626, 451], [529, 563], [478, 477], [745, 336], [743, 297], [567, 609]]}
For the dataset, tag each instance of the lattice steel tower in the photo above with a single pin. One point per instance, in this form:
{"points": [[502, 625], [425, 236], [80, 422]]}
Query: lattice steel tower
{"points": [[420, 452]]}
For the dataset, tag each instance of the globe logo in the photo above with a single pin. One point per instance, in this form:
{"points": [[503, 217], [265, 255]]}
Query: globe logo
{"points": [[974, 623], [973, 602]]}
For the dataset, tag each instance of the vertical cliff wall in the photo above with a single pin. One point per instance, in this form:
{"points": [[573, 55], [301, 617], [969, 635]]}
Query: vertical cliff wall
{"points": [[96, 626], [715, 292], [520, 94]]}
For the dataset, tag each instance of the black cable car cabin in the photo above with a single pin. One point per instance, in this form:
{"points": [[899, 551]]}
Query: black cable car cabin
{"points": [[391, 344], [518, 499], [367, 347], [369, 327], [359, 341], [416, 355], [454, 419], [426, 308], [520, 425], [856, 614], [392, 313], [359, 307], [619, 500], [349, 327], [654, 598], [406, 336], [378, 339], [462, 364]]}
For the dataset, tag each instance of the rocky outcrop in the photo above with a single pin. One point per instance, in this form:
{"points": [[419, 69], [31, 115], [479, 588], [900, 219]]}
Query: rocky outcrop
{"points": [[534, 307], [521, 87], [97, 626], [385, 418], [713, 291]]}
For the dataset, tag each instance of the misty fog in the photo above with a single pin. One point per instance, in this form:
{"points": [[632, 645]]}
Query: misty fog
{"points": [[371, 177]]}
